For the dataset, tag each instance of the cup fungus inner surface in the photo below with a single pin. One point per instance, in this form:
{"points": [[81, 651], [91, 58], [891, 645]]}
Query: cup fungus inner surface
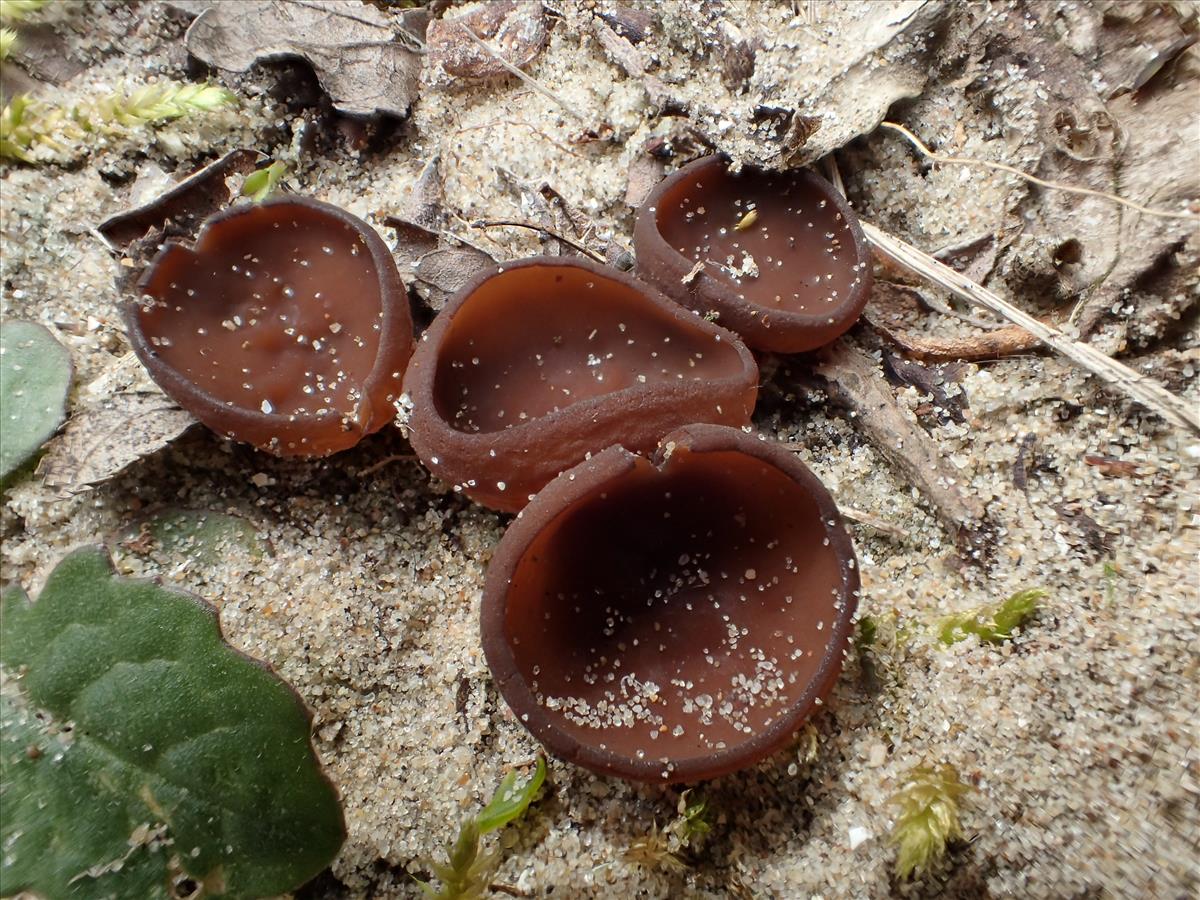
{"points": [[534, 340], [674, 614], [778, 238], [277, 310]]}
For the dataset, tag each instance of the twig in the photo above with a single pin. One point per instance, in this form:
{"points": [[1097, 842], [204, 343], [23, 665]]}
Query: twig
{"points": [[386, 461], [544, 91], [1145, 390], [1009, 340], [872, 521], [544, 230], [853, 381], [1053, 185]]}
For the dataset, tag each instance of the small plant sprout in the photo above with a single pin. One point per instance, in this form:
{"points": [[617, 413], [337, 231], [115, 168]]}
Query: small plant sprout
{"points": [[995, 624], [8, 40], [928, 818], [29, 124], [1111, 574], [260, 185], [466, 874], [664, 848]]}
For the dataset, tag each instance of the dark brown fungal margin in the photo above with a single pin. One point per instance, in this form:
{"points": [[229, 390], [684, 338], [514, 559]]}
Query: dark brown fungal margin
{"points": [[675, 618], [538, 363], [286, 326], [779, 255]]}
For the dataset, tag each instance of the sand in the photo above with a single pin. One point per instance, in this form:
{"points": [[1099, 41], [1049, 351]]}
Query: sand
{"points": [[1079, 736]]}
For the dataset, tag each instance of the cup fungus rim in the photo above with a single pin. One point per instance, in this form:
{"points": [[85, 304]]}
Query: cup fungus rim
{"points": [[647, 229], [395, 325], [422, 388], [584, 480]]}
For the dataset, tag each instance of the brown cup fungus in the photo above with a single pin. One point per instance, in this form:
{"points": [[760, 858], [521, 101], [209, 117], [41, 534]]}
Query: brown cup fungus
{"points": [[779, 256], [286, 326], [675, 618], [538, 363]]}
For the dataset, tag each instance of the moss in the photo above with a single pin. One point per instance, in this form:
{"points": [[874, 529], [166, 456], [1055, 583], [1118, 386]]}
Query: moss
{"points": [[929, 818], [992, 624]]}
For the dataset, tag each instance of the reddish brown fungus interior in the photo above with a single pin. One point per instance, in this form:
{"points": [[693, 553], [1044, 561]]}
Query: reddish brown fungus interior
{"points": [[791, 233], [673, 614], [537, 339], [277, 310]]}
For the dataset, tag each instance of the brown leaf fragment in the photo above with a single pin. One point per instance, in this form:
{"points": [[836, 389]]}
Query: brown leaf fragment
{"points": [[515, 30], [1135, 41], [436, 266], [628, 22], [444, 271], [881, 56], [974, 257], [363, 61], [737, 54], [636, 63], [1087, 532], [934, 380], [1111, 467], [795, 139], [645, 171], [425, 202], [854, 382], [136, 233]]}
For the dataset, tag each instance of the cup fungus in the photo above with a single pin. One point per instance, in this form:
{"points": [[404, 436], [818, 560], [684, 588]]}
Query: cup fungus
{"points": [[286, 326], [537, 363], [779, 255], [675, 618]]}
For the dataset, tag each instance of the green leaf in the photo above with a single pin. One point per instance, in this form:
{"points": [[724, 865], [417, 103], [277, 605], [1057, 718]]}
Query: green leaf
{"points": [[35, 375], [139, 748], [509, 801], [992, 625], [928, 818], [261, 184], [466, 873]]}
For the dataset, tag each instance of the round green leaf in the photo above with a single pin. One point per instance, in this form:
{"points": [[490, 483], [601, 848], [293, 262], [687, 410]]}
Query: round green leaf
{"points": [[35, 374], [138, 751]]}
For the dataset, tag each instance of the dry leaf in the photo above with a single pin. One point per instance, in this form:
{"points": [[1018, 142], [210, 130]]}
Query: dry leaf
{"points": [[136, 233], [515, 31], [645, 171], [1137, 39], [859, 69], [436, 266], [1121, 263], [122, 417], [444, 271], [363, 61], [628, 22], [854, 382]]}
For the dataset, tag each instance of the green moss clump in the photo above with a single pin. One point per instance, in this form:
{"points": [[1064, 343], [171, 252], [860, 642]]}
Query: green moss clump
{"points": [[928, 818], [993, 625]]}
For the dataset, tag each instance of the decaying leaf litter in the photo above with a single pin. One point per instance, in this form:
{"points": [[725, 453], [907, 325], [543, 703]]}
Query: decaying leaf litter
{"points": [[1074, 736]]}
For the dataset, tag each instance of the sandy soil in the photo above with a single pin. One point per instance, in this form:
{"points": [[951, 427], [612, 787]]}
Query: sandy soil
{"points": [[1079, 737]]}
